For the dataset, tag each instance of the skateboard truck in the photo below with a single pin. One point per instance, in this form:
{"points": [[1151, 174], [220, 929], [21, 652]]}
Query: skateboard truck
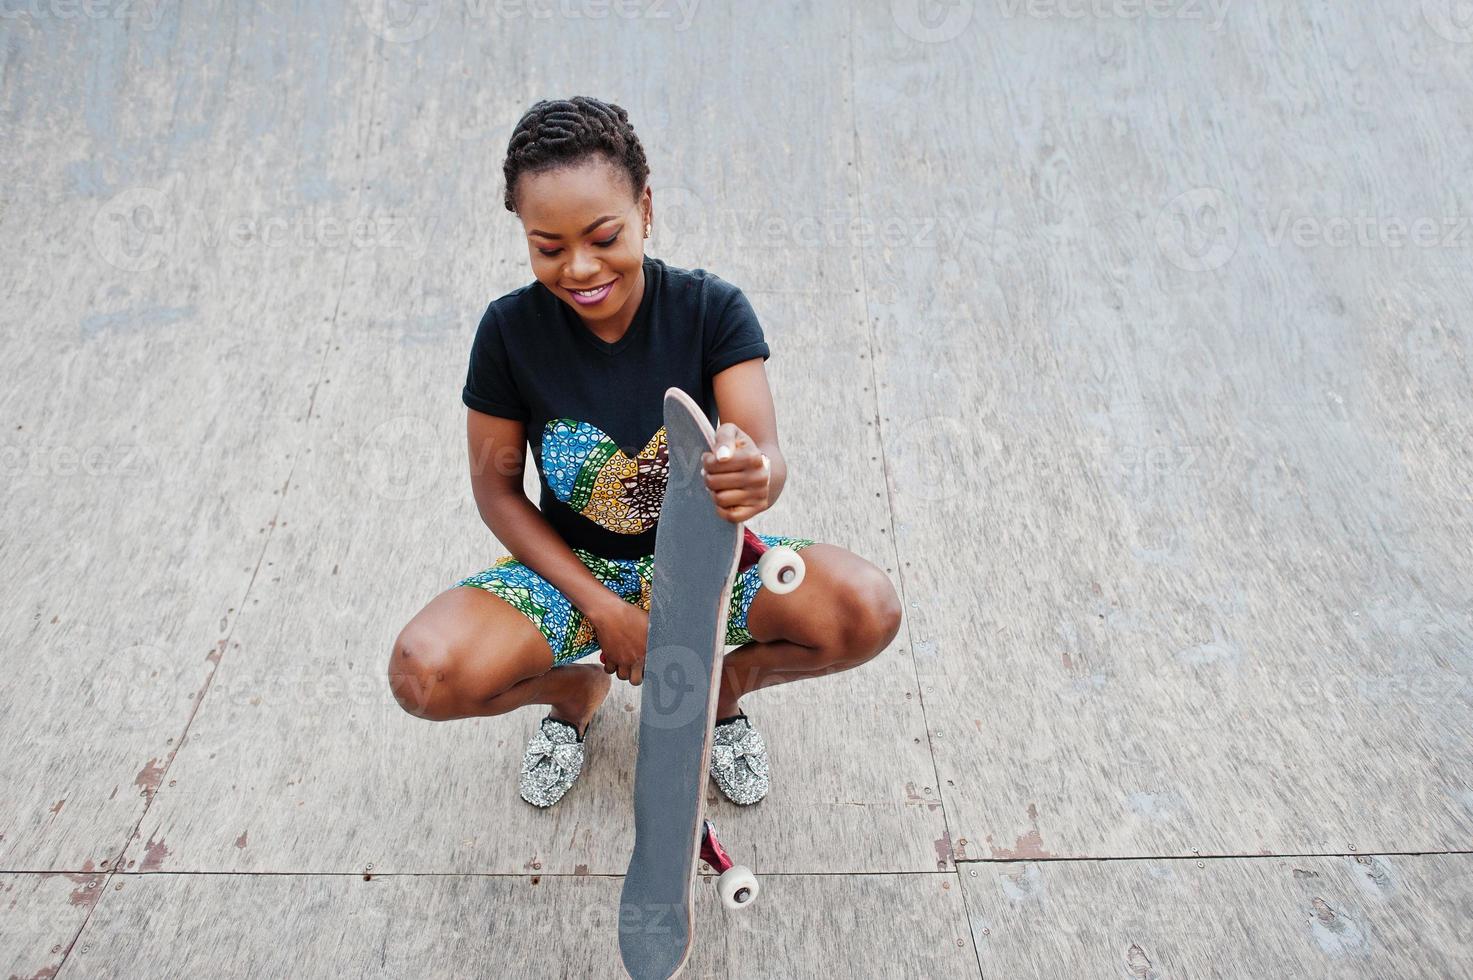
{"points": [[780, 568], [737, 886]]}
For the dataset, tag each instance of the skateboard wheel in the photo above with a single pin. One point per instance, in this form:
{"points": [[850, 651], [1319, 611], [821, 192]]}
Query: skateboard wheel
{"points": [[781, 569], [737, 887]]}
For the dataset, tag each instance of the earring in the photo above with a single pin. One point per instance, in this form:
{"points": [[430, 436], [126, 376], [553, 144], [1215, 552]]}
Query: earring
{"points": [[646, 231]]}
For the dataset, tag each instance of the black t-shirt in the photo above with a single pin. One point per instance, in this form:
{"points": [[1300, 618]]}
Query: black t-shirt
{"points": [[594, 411]]}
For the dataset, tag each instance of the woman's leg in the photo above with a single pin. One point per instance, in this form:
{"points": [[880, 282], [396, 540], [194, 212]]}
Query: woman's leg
{"points": [[844, 614], [472, 653]]}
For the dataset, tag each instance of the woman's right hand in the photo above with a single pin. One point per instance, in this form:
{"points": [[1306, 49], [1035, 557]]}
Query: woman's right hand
{"points": [[622, 633]]}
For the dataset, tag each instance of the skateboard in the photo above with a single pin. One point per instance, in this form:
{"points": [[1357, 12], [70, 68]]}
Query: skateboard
{"points": [[697, 556]]}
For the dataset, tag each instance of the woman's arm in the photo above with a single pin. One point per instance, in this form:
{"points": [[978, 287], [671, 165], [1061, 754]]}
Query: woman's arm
{"points": [[498, 454], [744, 399]]}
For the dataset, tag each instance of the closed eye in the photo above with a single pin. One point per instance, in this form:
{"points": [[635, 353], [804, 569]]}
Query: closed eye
{"points": [[606, 243]]}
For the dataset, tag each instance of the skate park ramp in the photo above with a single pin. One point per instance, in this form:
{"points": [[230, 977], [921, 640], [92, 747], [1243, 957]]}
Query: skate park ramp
{"points": [[1130, 340]]}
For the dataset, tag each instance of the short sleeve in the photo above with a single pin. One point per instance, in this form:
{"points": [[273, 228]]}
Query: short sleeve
{"points": [[489, 387], [736, 337]]}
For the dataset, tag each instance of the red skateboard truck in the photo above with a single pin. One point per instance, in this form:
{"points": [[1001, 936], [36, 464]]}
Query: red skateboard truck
{"points": [[781, 568]]}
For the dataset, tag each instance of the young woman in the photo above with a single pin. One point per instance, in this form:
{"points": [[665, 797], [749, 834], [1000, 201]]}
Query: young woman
{"points": [[577, 363]]}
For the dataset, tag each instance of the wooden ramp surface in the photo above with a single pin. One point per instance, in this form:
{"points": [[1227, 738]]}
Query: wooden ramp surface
{"points": [[1132, 345]]}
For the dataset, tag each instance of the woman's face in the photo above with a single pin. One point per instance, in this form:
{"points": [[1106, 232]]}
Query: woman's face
{"points": [[585, 236]]}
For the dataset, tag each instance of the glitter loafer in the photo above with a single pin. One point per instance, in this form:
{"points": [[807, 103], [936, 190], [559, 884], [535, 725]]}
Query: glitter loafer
{"points": [[739, 760], [553, 761]]}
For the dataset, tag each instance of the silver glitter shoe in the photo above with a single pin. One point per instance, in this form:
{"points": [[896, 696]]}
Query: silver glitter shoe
{"points": [[553, 761], [739, 760]]}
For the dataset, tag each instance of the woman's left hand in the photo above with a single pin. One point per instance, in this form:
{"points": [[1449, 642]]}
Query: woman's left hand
{"points": [[737, 474]]}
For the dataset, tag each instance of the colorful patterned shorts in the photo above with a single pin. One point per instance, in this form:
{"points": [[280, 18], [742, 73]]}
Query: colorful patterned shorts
{"points": [[569, 634]]}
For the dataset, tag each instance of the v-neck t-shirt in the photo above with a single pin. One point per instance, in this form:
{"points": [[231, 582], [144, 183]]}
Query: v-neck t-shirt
{"points": [[594, 410]]}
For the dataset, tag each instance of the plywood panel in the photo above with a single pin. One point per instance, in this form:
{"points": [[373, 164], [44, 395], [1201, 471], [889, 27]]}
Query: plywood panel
{"points": [[163, 338], [1172, 494], [454, 926], [44, 913], [1259, 917]]}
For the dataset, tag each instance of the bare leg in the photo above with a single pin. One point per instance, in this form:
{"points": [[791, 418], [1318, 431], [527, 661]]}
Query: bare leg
{"points": [[470, 653], [573, 692], [754, 666], [843, 615]]}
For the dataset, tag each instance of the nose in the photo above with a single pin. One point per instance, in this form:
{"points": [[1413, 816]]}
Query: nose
{"points": [[582, 266]]}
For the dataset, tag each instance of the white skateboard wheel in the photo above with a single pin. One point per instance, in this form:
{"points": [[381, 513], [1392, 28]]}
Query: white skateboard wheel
{"points": [[737, 887], [781, 569]]}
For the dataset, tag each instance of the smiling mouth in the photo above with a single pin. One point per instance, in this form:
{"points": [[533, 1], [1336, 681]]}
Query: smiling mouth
{"points": [[591, 292]]}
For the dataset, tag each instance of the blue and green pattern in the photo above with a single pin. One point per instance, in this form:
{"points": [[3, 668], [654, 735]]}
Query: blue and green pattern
{"points": [[569, 633], [587, 470]]}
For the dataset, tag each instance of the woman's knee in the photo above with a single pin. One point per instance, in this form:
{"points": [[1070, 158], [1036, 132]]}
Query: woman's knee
{"points": [[423, 675], [455, 657], [872, 614]]}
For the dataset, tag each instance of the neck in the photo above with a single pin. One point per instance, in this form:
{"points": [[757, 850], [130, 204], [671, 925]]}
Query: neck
{"points": [[611, 329]]}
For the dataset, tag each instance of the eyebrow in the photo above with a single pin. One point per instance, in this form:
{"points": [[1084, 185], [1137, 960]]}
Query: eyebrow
{"points": [[596, 223]]}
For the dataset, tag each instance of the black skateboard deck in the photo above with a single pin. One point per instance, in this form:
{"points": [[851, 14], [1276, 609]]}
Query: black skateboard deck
{"points": [[696, 557]]}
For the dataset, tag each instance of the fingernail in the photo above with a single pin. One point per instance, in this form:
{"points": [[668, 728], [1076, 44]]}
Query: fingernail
{"points": [[723, 452]]}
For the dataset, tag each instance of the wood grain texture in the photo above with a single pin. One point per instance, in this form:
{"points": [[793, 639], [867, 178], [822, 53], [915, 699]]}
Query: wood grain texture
{"points": [[379, 516], [43, 916], [161, 365], [1372, 917], [1102, 335], [1172, 494], [166, 925]]}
